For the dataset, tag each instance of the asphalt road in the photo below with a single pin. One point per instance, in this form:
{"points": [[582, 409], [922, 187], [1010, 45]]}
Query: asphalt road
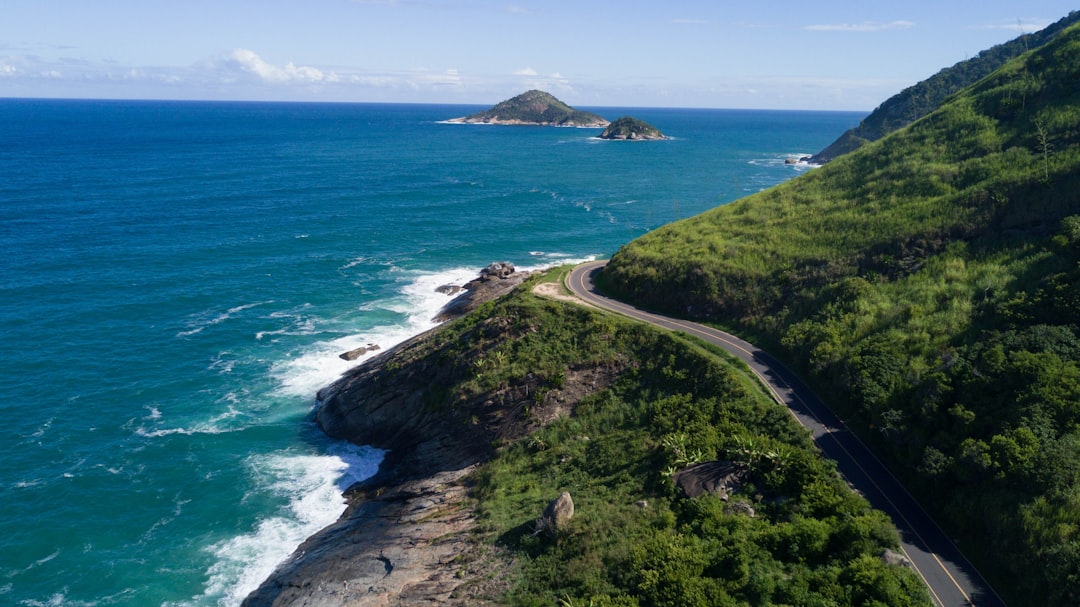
{"points": [[951, 578]]}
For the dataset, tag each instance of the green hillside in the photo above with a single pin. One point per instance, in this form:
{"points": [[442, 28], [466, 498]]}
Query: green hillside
{"points": [[918, 100], [929, 285], [612, 410]]}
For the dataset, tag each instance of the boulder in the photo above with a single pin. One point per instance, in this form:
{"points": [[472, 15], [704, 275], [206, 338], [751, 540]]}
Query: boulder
{"points": [[895, 558], [498, 269], [720, 478], [740, 507], [358, 352], [557, 514]]}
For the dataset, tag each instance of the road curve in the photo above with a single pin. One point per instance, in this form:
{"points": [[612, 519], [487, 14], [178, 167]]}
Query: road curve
{"points": [[951, 578]]}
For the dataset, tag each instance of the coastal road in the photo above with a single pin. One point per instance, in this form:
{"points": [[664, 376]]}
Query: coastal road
{"points": [[951, 578]]}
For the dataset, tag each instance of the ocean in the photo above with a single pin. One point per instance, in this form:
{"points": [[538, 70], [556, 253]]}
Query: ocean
{"points": [[179, 278]]}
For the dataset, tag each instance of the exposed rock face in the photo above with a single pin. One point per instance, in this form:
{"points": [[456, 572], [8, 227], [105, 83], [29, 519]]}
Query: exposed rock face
{"points": [[406, 544], [631, 129], [497, 269], [405, 538], [535, 108], [358, 352], [720, 478], [494, 281]]}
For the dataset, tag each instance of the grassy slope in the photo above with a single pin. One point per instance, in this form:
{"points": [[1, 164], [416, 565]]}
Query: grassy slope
{"points": [[928, 280], [671, 403], [916, 101]]}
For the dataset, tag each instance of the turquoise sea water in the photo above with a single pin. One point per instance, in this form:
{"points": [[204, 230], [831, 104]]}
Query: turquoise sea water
{"points": [[178, 278]]}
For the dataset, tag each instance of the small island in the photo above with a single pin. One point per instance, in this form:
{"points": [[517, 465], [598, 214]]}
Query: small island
{"points": [[534, 108], [630, 128]]}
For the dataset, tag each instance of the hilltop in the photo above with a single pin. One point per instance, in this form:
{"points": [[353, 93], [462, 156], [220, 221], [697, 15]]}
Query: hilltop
{"points": [[534, 108], [918, 100], [929, 283]]}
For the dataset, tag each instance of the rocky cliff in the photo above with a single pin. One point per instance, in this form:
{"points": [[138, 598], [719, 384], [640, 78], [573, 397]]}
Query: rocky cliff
{"points": [[405, 536]]}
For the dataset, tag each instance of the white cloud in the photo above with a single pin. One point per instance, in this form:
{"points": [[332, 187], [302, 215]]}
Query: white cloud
{"points": [[865, 26], [1020, 26], [527, 71], [251, 62], [7, 70], [447, 78]]}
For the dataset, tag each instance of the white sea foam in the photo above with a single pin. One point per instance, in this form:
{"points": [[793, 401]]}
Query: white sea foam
{"points": [[41, 561], [417, 307], [312, 486], [792, 160], [213, 425], [300, 322], [210, 318], [42, 429]]}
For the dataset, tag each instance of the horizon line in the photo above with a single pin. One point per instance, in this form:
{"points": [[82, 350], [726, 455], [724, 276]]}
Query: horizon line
{"points": [[415, 103]]}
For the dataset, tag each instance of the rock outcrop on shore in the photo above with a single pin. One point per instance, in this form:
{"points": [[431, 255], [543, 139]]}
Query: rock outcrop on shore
{"points": [[534, 108], [400, 544], [405, 536], [495, 280]]}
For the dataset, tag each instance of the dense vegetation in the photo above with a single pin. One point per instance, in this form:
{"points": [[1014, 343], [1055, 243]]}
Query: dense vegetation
{"points": [[929, 283], [668, 403], [918, 100], [537, 107], [629, 127]]}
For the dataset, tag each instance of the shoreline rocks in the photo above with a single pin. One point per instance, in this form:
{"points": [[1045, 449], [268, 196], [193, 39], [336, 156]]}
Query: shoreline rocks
{"points": [[404, 544], [494, 281], [358, 352], [406, 535]]}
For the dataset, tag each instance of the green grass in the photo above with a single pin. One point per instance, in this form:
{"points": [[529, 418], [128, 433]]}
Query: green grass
{"points": [[634, 540], [928, 283]]}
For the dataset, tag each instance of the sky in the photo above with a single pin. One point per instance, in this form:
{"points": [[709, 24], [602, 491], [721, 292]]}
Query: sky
{"points": [[778, 54]]}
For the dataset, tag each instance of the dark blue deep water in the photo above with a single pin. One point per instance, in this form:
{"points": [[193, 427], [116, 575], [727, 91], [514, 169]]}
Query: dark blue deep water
{"points": [[177, 280]]}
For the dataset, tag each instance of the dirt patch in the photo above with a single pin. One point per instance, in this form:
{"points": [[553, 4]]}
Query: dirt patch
{"points": [[553, 290]]}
